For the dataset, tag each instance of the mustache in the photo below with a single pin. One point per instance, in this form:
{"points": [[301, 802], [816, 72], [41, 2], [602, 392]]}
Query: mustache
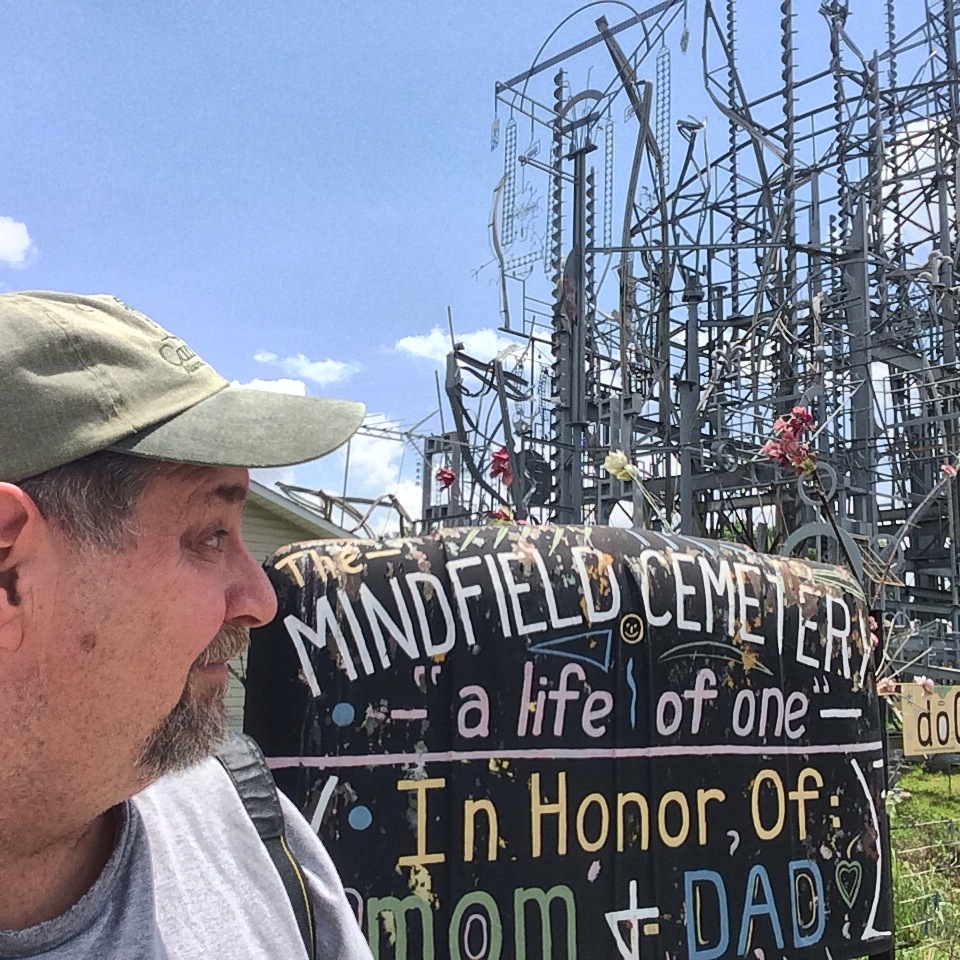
{"points": [[231, 640]]}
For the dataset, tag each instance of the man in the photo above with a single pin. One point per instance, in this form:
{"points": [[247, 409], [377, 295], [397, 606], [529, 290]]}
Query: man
{"points": [[124, 589]]}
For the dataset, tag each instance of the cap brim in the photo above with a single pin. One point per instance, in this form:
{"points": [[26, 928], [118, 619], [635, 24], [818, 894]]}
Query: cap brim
{"points": [[249, 428]]}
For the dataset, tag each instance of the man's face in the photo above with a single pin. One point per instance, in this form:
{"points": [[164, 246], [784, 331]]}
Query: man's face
{"points": [[197, 725], [142, 634]]}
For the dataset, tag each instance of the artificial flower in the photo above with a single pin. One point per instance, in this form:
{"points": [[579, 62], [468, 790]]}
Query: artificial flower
{"points": [[802, 418], [618, 465], [500, 466], [789, 452], [446, 478], [796, 424]]}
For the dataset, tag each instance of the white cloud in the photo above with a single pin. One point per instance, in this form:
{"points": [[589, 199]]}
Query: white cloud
{"points": [[483, 344], [374, 466], [282, 385], [15, 242], [323, 372], [410, 494], [378, 466]]}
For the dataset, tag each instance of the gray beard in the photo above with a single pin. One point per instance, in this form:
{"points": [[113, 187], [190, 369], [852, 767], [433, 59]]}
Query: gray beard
{"points": [[197, 726]]}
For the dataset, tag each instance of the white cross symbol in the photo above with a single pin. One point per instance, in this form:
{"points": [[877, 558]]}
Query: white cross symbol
{"points": [[633, 915]]}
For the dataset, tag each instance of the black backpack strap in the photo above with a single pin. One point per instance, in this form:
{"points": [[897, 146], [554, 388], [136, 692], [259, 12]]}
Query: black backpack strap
{"points": [[242, 759]]}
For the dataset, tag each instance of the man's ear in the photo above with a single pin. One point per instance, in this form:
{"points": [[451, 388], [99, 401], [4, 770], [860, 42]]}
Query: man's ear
{"points": [[18, 516]]}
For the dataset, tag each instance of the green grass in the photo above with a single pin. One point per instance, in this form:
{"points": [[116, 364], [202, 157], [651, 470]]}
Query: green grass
{"points": [[925, 835]]}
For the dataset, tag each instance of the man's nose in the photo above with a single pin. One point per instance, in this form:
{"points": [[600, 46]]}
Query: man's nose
{"points": [[251, 600]]}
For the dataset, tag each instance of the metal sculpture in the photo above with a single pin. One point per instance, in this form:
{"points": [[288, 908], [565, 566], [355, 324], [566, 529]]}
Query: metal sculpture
{"points": [[808, 258]]}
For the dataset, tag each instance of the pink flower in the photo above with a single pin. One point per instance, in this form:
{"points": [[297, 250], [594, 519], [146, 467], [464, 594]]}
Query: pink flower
{"points": [[795, 425], [500, 466], [792, 449], [802, 419], [789, 452], [773, 450], [927, 684], [794, 454], [886, 686], [948, 470], [446, 478], [782, 427]]}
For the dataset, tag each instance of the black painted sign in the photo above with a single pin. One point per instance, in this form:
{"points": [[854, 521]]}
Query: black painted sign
{"points": [[558, 742]]}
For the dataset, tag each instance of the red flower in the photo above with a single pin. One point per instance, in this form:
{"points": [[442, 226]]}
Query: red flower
{"points": [[792, 449], [446, 478], [802, 417], [504, 516], [786, 450], [774, 451], [795, 425], [500, 466], [789, 452]]}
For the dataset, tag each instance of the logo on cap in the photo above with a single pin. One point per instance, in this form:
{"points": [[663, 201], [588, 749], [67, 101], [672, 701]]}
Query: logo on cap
{"points": [[178, 354]]}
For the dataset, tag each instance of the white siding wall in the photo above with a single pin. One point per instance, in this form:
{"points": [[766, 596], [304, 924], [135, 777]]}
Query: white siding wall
{"points": [[263, 533]]}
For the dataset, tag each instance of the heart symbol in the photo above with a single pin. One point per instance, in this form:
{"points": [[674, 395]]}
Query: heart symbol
{"points": [[849, 875]]}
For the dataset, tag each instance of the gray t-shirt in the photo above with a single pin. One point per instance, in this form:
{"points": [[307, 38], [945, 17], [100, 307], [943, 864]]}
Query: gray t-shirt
{"points": [[189, 878]]}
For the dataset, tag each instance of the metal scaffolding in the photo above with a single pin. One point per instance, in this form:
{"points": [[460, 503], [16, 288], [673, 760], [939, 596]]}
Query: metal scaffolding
{"points": [[671, 293]]}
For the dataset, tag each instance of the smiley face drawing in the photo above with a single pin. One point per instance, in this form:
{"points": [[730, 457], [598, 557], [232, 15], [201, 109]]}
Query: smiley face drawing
{"points": [[631, 628]]}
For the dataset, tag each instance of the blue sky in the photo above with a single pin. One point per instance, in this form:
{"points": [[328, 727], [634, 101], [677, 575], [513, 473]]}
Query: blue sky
{"points": [[293, 187]]}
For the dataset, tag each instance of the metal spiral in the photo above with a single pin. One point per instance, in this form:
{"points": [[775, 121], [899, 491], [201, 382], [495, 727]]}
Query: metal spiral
{"points": [[731, 39], [789, 157], [554, 264], [836, 16], [509, 202], [608, 138], [589, 258], [663, 110], [893, 156]]}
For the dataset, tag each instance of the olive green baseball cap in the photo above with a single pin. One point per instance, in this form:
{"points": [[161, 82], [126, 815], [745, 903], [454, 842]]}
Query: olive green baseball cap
{"points": [[88, 373]]}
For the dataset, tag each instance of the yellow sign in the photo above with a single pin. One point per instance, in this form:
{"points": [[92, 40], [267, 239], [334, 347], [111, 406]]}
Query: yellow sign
{"points": [[931, 722]]}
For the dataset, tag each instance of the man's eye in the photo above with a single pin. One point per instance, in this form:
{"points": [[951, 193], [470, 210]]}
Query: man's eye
{"points": [[216, 540]]}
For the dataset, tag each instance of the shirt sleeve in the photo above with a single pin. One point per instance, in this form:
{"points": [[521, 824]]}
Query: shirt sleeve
{"points": [[338, 933]]}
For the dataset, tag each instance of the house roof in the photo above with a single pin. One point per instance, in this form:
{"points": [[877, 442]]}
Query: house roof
{"points": [[276, 503]]}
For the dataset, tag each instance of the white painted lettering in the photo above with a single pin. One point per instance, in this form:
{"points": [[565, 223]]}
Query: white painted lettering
{"points": [[556, 621], [747, 603], [804, 626], [594, 614], [516, 590], [684, 590], [463, 593]]}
